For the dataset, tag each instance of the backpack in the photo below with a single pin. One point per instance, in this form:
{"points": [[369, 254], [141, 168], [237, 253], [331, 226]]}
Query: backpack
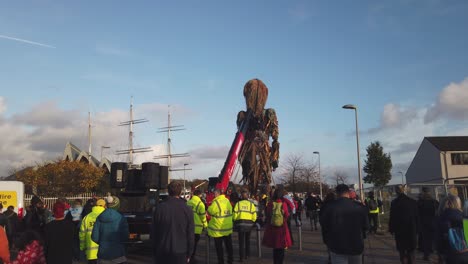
{"points": [[456, 239], [372, 204], [277, 218]]}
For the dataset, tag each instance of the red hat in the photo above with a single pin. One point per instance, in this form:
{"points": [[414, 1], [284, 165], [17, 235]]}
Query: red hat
{"points": [[352, 194], [59, 210]]}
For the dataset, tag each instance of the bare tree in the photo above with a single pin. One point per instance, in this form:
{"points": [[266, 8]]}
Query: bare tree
{"points": [[293, 167], [309, 174], [340, 177]]}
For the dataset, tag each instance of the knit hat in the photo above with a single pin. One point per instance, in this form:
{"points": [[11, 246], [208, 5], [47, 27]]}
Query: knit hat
{"points": [[59, 210]]}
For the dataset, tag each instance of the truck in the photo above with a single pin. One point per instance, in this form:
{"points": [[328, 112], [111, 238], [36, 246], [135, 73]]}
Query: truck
{"points": [[12, 194]]}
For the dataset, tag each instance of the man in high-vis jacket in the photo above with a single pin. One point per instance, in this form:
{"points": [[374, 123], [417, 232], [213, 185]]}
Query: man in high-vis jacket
{"points": [[199, 216], [220, 225], [86, 229], [245, 215]]}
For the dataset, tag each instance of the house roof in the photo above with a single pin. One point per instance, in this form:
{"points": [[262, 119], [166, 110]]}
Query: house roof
{"points": [[455, 143]]}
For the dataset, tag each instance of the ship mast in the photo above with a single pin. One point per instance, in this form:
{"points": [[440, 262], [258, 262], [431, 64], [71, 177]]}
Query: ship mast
{"points": [[169, 156], [131, 150]]}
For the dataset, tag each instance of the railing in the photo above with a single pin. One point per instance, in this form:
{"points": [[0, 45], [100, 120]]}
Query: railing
{"points": [[50, 201]]}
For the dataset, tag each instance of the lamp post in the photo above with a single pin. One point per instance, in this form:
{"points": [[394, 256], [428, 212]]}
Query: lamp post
{"points": [[361, 190], [102, 149], [185, 164], [402, 178], [320, 175]]}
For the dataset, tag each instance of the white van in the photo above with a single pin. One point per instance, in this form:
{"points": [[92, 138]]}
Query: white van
{"points": [[12, 193]]}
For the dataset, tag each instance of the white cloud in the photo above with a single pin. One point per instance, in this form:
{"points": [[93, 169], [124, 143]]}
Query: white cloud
{"points": [[27, 41], [3, 105], [40, 133], [451, 103]]}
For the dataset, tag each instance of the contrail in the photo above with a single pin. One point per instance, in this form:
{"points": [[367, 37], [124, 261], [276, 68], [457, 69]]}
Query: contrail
{"points": [[27, 41]]}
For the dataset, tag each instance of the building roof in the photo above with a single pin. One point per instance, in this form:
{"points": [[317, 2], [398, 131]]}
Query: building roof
{"points": [[455, 143]]}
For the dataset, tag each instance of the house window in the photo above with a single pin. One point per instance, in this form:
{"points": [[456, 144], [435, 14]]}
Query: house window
{"points": [[459, 158]]}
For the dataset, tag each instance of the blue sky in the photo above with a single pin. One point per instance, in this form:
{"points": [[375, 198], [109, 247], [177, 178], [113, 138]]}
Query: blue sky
{"points": [[395, 60]]}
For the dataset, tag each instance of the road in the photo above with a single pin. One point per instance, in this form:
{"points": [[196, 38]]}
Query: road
{"points": [[379, 249]]}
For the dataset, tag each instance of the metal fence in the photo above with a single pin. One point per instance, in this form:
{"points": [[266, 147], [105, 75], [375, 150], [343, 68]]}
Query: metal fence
{"points": [[50, 201]]}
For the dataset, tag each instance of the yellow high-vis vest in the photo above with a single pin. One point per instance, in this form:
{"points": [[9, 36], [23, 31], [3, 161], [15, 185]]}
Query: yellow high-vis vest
{"points": [[245, 210], [86, 229], [221, 217], [199, 214]]}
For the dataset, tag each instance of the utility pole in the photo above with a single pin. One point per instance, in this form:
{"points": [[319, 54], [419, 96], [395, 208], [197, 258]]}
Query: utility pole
{"points": [[131, 150], [89, 137], [169, 156]]}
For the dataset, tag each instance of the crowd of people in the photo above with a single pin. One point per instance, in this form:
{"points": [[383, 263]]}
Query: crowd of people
{"points": [[96, 233]]}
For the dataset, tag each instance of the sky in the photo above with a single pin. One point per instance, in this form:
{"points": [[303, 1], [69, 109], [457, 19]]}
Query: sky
{"points": [[403, 63]]}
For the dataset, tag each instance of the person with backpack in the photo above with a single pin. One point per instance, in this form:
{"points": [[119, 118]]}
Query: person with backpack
{"points": [[404, 224], [277, 234], [374, 206], [344, 224], [450, 239], [427, 209]]}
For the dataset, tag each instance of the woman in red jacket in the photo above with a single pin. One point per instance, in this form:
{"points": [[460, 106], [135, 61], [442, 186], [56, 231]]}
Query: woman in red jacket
{"points": [[4, 250], [277, 237]]}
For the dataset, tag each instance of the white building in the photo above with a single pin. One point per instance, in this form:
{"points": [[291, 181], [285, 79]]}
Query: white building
{"points": [[439, 159]]}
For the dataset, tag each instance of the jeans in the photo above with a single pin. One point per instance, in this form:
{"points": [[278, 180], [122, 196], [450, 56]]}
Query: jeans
{"points": [[346, 259], [313, 216], [244, 245], [218, 241], [373, 222]]}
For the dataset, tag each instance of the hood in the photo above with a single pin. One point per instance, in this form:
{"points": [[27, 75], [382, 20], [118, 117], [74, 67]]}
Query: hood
{"points": [[98, 209], [109, 215]]}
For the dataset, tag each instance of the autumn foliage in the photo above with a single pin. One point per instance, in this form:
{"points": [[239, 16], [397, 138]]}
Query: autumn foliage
{"points": [[62, 178]]}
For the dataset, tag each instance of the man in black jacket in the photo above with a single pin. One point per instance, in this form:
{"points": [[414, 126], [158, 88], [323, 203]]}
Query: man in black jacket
{"points": [[404, 224], [344, 225], [427, 209], [312, 204], [173, 229]]}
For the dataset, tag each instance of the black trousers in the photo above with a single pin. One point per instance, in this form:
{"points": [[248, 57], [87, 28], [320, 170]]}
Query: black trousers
{"points": [[197, 238], [290, 230], [244, 245], [427, 237], [373, 222], [313, 216], [170, 258], [218, 241], [278, 255], [407, 256], [92, 261]]}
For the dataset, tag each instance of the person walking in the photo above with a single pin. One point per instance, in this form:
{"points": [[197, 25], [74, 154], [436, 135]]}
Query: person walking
{"points": [[374, 206], [110, 232], [451, 218], [173, 228], [199, 217], [74, 214], [291, 208], [427, 210], [312, 205], [245, 215], [330, 197], [30, 249], [344, 224], [404, 225], [59, 237], [277, 234], [86, 229], [220, 226]]}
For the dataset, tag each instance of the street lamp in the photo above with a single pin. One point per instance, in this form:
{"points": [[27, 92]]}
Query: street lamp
{"points": [[320, 175], [185, 164], [102, 148], [353, 107], [402, 178]]}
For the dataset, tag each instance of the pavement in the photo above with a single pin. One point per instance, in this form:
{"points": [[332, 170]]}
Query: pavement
{"points": [[379, 249]]}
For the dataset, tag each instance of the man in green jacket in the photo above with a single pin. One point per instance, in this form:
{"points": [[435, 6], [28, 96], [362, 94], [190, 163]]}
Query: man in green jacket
{"points": [[220, 225], [199, 216], [86, 229]]}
